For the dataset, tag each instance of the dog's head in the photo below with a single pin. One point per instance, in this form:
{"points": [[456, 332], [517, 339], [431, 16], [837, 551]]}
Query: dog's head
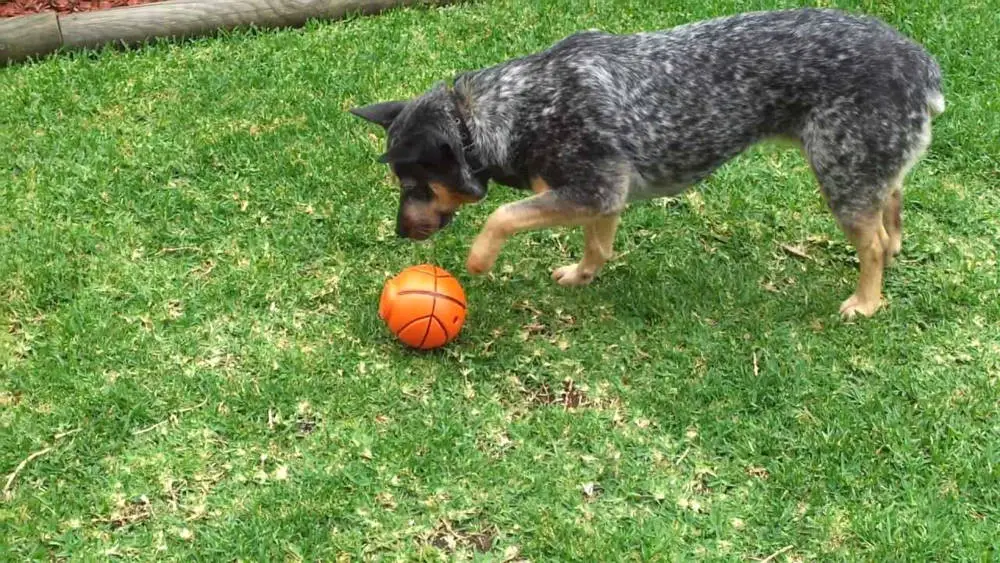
{"points": [[426, 154]]}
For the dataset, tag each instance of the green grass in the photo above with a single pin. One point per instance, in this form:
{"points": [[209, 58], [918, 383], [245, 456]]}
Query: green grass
{"points": [[193, 238]]}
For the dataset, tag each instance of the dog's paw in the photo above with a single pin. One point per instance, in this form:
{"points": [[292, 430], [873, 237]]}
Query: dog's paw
{"points": [[855, 305], [892, 250], [484, 252], [479, 263], [895, 245], [572, 275]]}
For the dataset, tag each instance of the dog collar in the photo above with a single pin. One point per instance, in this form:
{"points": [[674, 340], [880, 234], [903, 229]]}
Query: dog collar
{"points": [[468, 145]]}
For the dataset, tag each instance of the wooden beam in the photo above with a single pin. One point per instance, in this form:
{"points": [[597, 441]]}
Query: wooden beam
{"points": [[187, 18], [28, 36], [36, 35]]}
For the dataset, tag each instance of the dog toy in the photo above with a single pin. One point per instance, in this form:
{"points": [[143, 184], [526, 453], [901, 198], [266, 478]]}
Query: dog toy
{"points": [[424, 306]]}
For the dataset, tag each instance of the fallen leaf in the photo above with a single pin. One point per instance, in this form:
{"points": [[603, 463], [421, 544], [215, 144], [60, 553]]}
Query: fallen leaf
{"points": [[591, 490], [386, 500], [796, 250]]}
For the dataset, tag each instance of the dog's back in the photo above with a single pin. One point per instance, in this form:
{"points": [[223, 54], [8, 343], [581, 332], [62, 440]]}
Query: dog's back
{"points": [[680, 102]]}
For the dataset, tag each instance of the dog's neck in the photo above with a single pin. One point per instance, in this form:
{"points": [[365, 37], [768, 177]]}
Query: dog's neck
{"points": [[486, 122], [469, 145]]}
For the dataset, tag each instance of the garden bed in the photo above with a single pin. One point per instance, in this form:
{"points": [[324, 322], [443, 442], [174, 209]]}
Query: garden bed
{"points": [[14, 8]]}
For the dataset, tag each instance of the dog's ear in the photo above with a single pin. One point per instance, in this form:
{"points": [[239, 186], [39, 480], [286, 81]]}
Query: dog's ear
{"points": [[383, 113]]}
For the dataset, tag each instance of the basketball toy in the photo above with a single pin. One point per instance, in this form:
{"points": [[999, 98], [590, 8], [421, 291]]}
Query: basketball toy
{"points": [[424, 306]]}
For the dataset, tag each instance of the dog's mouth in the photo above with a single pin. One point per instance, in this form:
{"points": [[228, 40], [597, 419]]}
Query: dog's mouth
{"points": [[423, 231], [420, 234]]}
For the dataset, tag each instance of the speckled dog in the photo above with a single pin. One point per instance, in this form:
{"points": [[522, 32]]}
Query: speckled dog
{"points": [[601, 120]]}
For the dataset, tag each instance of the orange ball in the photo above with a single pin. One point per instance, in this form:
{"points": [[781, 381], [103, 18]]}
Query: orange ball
{"points": [[424, 306]]}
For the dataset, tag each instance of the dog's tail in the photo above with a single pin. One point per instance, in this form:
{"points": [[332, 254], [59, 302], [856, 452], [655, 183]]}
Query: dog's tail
{"points": [[935, 99], [935, 103]]}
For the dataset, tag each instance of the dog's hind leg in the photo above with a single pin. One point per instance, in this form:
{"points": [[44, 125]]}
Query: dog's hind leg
{"points": [[892, 221], [893, 215], [869, 237], [860, 155], [859, 208]]}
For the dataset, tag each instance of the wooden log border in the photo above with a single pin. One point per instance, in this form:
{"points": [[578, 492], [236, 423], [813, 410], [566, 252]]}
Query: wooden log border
{"points": [[33, 36]]}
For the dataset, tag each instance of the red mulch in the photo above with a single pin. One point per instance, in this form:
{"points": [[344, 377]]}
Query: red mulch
{"points": [[11, 8]]}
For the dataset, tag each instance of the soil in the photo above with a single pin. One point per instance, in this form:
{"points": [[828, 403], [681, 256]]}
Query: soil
{"points": [[12, 8]]}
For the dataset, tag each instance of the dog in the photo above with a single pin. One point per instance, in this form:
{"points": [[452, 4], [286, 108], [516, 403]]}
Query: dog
{"points": [[598, 121]]}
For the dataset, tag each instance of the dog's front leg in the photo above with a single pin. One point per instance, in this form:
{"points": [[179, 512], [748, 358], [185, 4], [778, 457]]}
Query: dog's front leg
{"points": [[541, 211], [598, 247]]}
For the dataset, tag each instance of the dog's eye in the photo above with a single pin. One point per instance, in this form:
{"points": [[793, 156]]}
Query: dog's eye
{"points": [[418, 192], [436, 167], [411, 170]]}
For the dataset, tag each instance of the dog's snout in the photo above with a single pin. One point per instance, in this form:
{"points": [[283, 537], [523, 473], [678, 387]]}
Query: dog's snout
{"points": [[412, 230]]}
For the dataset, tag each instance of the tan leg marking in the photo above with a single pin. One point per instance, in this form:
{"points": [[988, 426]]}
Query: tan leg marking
{"points": [[598, 241], [536, 212], [892, 219], [869, 238], [539, 186]]}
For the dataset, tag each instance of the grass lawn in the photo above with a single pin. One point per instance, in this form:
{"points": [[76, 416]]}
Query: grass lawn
{"points": [[193, 238]]}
